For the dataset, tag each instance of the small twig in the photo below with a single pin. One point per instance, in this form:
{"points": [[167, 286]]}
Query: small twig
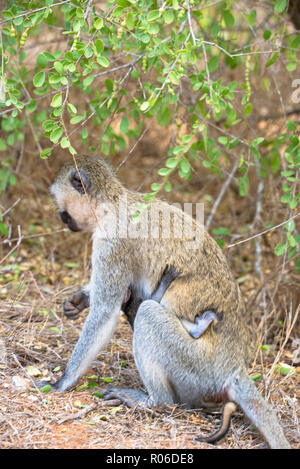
{"points": [[15, 247], [133, 147], [34, 11], [78, 415], [10, 208], [263, 232], [39, 235], [221, 194], [190, 22]]}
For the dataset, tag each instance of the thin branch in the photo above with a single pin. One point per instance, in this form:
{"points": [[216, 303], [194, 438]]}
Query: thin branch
{"points": [[263, 232], [35, 11], [221, 194], [190, 22]]}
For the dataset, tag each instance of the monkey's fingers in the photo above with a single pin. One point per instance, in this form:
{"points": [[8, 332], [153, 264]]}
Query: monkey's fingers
{"points": [[75, 304], [70, 310], [228, 410], [130, 397]]}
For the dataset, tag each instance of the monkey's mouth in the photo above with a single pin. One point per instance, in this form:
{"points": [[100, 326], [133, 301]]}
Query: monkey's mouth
{"points": [[68, 220]]}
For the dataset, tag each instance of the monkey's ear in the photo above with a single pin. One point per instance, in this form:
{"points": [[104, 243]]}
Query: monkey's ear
{"points": [[81, 182]]}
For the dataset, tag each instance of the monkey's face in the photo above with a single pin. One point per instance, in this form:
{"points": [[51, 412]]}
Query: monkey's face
{"points": [[77, 208]]}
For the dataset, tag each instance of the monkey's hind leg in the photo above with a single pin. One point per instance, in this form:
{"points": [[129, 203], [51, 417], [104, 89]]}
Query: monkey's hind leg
{"points": [[149, 358], [228, 410]]}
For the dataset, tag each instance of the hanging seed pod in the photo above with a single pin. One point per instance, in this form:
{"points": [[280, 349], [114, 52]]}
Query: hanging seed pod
{"points": [[12, 30], [24, 37]]}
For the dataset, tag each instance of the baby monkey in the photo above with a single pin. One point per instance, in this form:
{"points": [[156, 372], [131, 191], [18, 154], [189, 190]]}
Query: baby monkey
{"points": [[201, 324], [195, 329]]}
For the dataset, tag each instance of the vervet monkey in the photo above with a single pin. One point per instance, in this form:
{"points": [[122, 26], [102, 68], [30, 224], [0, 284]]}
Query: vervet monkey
{"points": [[174, 367]]}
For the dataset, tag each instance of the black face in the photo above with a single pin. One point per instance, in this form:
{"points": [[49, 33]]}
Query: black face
{"points": [[68, 220]]}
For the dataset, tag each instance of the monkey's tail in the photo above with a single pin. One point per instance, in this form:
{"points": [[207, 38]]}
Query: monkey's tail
{"points": [[228, 410], [243, 391]]}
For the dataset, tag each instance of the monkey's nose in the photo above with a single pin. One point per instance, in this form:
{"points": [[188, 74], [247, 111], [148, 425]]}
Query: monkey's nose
{"points": [[65, 217]]}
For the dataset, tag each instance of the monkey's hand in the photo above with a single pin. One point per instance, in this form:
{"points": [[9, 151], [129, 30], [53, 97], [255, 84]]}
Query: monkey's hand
{"points": [[75, 304]]}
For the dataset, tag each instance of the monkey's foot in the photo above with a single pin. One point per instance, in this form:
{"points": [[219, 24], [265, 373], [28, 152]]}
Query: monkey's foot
{"points": [[130, 397]]}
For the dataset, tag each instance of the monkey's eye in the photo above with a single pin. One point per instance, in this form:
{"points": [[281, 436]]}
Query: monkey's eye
{"points": [[81, 182]]}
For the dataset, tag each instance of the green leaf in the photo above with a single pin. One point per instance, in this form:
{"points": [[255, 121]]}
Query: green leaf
{"points": [[174, 78], [168, 16], [65, 142], [77, 119], [256, 377], [153, 15], [45, 153], [168, 187], [291, 66], [267, 34], [48, 125], [280, 249], [71, 108], [223, 140], [31, 106], [3, 229], [291, 125], [172, 163], [285, 369], [103, 61], [280, 6], [124, 125], [272, 59], [221, 231], [98, 23], [213, 64], [2, 145], [228, 18], [88, 80], [59, 67], [39, 79], [184, 165], [248, 109], [46, 388], [56, 134], [130, 21], [42, 60], [163, 116], [56, 101], [164, 171]]}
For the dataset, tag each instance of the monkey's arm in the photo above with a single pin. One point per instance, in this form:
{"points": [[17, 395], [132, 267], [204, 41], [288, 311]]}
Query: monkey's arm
{"points": [[108, 287], [133, 302], [77, 302], [201, 324], [168, 276]]}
